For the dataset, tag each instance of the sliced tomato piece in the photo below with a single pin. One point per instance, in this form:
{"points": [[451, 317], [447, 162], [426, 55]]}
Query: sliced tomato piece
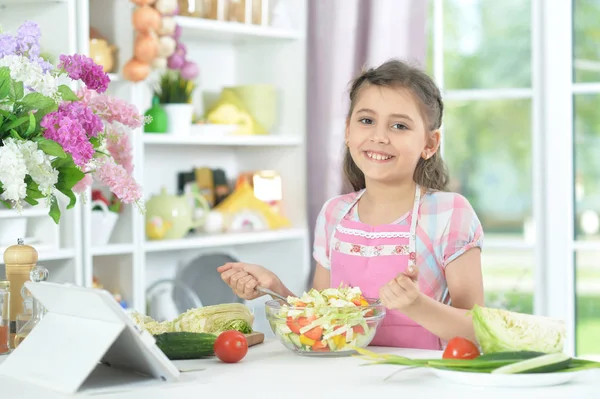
{"points": [[300, 304], [358, 329], [304, 321], [315, 333], [320, 346], [293, 325]]}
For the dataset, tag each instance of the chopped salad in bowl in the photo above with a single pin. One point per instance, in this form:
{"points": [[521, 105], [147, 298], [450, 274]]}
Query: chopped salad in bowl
{"points": [[327, 322]]}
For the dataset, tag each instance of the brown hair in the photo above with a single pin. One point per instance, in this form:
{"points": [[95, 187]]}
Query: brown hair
{"points": [[430, 173]]}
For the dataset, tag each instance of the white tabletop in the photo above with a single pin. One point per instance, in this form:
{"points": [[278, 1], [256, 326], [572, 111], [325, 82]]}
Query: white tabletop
{"points": [[270, 369]]}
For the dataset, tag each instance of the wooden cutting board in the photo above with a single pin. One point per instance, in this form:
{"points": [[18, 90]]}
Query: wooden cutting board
{"points": [[255, 338]]}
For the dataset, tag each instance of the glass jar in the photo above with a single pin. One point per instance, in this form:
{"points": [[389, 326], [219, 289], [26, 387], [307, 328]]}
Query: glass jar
{"points": [[4, 317], [235, 11], [198, 8]]}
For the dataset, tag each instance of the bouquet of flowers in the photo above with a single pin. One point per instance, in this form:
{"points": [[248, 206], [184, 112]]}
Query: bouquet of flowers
{"points": [[54, 139]]}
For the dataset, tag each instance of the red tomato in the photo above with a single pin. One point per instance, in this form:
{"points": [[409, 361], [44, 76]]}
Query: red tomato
{"points": [[296, 325], [460, 348], [315, 334], [231, 346], [293, 325], [358, 329], [320, 346]]}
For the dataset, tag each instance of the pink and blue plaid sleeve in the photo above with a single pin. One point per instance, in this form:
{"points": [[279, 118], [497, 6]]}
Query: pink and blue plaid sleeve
{"points": [[464, 230]]}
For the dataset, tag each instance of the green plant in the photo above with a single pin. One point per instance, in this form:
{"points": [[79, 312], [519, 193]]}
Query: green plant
{"points": [[173, 89]]}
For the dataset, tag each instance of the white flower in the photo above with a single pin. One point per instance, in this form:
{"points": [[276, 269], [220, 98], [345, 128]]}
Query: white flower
{"points": [[12, 172], [32, 75], [39, 167], [20, 158]]}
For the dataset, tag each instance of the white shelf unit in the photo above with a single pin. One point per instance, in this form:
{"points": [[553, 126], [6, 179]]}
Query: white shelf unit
{"points": [[60, 247], [228, 54]]}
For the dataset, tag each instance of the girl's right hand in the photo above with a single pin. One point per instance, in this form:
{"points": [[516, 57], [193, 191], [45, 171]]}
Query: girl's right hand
{"points": [[243, 278]]}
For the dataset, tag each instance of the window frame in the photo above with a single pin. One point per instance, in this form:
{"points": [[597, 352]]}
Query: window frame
{"points": [[552, 128]]}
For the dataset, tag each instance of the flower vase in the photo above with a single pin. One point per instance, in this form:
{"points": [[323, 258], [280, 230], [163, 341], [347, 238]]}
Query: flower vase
{"points": [[179, 118], [103, 224]]}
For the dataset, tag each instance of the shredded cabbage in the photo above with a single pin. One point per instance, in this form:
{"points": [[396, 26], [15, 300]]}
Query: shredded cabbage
{"points": [[499, 330], [209, 319]]}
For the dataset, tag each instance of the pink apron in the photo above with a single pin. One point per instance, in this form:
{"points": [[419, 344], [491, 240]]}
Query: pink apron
{"points": [[368, 257]]}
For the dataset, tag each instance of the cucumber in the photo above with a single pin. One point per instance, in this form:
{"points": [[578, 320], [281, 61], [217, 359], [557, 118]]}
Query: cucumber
{"points": [[186, 345], [296, 340], [542, 364], [519, 355]]}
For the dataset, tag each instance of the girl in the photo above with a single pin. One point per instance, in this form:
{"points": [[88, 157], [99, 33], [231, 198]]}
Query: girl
{"points": [[400, 236]]}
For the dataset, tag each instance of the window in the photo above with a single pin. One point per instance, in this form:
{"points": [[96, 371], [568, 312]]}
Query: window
{"points": [[586, 104], [483, 65], [521, 137]]}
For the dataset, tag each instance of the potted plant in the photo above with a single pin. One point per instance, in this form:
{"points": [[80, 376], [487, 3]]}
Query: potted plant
{"points": [[175, 95], [105, 214]]}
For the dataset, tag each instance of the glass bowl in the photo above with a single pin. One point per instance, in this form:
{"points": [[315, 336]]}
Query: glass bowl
{"points": [[324, 331]]}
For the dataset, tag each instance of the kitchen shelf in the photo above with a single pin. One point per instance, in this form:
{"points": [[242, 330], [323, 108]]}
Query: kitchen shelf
{"points": [[113, 76], [25, 2], [225, 140], [112, 249], [44, 255], [28, 212], [208, 29], [220, 240]]}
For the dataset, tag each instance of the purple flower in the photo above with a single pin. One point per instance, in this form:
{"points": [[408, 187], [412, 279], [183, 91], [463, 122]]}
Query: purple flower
{"points": [[28, 36], [177, 33], [71, 126], [8, 45], [80, 67], [189, 70], [45, 65]]}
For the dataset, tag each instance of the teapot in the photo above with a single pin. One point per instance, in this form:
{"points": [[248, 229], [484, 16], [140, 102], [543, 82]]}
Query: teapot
{"points": [[103, 53], [174, 213]]}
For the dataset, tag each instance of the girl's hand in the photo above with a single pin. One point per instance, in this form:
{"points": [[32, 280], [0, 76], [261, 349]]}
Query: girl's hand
{"points": [[243, 278], [402, 292]]}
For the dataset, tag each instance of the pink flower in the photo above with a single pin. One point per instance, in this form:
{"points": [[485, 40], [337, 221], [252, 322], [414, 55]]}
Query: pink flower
{"points": [[80, 67], [112, 109], [121, 183], [189, 70], [71, 126], [83, 184], [119, 147]]}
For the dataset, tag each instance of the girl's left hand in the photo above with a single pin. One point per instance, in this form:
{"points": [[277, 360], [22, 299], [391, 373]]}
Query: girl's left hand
{"points": [[401, 292]]}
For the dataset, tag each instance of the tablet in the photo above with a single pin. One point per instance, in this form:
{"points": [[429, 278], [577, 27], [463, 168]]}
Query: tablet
{"points": [[82, 329]]}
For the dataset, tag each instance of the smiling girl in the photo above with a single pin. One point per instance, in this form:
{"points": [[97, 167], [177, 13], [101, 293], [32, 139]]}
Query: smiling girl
{"points": [[400, 236]]}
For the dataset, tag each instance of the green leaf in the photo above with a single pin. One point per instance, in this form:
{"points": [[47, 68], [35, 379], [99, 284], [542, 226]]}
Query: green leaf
{"points": [[67, 94], [68, 175], [33, 190], [36, 101], [17, 122], [32, 125], [15, 135], [50, 147], [31, 201], [18, 90], [95, 142], [40, 113], [54, 209], [5, 82], [63, 188]]}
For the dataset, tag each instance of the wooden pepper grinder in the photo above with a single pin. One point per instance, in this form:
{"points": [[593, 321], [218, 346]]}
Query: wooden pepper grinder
{"points": [[19, 260]]}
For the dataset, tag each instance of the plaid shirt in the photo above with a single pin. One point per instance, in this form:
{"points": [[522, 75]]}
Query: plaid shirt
{"points": [[447, 228]]}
